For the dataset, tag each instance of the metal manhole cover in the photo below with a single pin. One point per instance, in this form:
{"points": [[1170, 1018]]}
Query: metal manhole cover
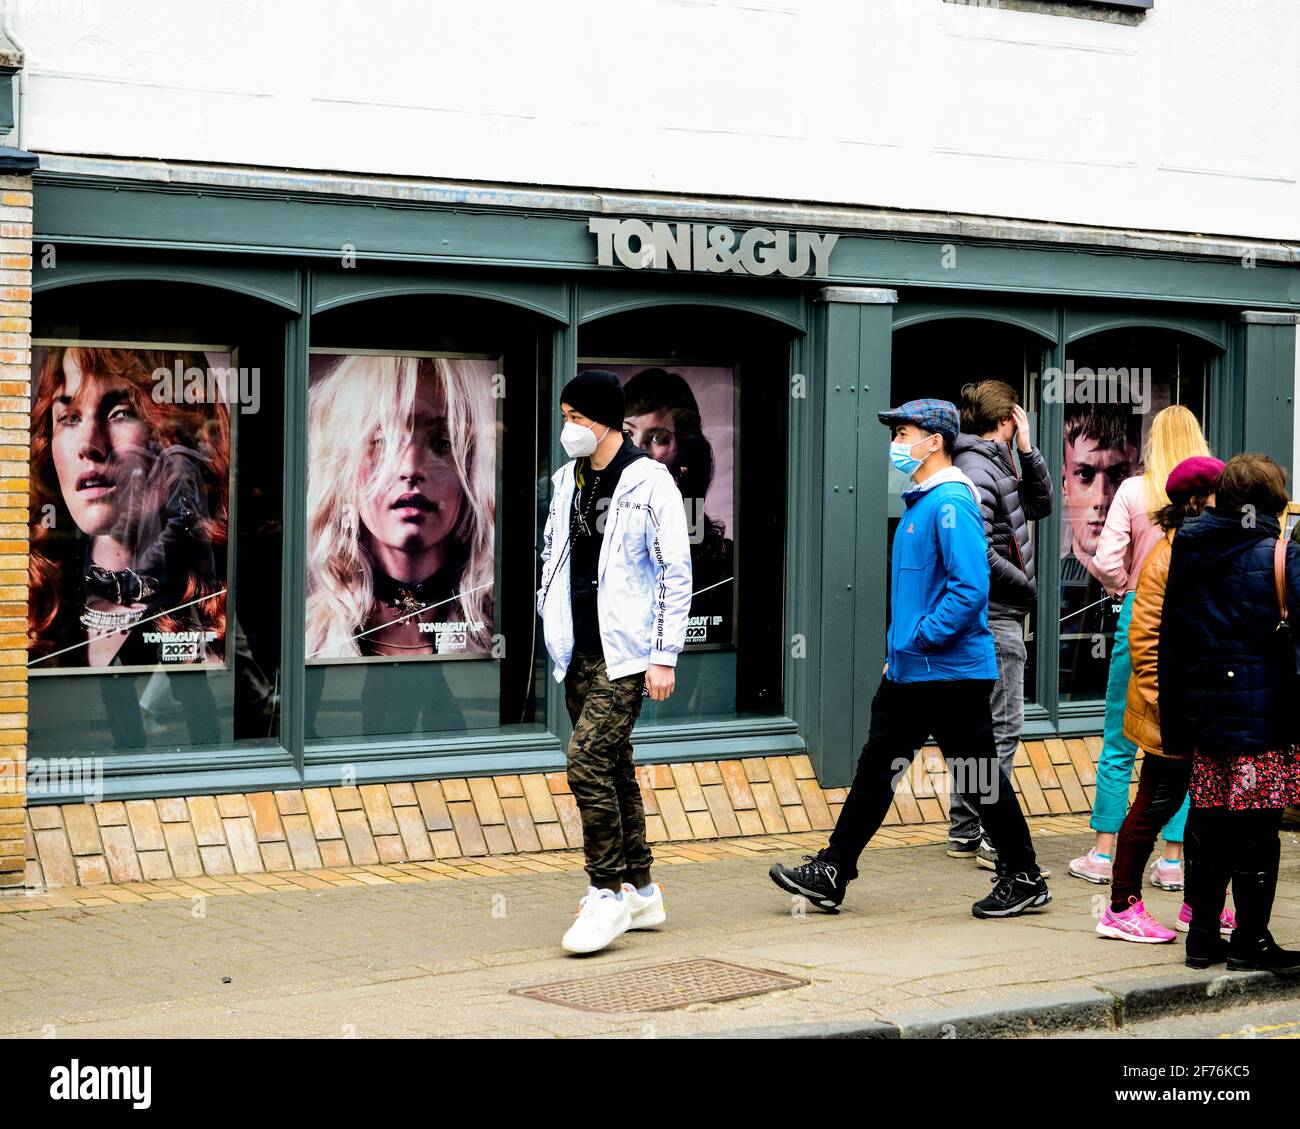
{"points": [[661, 987]]}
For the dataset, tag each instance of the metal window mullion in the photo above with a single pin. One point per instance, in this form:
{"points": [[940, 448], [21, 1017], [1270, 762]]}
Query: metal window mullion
{"points": [[1051, 417], [801, 606], [293, 606], [564, 367]]}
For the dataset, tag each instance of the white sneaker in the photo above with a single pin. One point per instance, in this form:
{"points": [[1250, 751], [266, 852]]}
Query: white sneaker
{"points": [[647, 912], [602, 916]]}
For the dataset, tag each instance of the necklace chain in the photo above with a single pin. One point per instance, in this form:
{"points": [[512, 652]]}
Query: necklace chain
{"points": [[580, 517], [97, 620]]}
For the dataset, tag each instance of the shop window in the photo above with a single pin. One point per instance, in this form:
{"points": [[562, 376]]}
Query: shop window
{"points": [[423, 459], [1114, 386], [707, 395], [155, 519], [936, 359], [684, 416]]}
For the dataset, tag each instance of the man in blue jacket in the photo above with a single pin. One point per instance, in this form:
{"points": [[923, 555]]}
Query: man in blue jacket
{"points": [[940, 672]]}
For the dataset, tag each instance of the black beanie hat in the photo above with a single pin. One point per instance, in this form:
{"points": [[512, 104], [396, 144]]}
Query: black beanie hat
{"points": [[598, 395]]}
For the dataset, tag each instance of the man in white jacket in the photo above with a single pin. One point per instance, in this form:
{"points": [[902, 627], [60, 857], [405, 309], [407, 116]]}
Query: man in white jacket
{"points": [[614, 599]]}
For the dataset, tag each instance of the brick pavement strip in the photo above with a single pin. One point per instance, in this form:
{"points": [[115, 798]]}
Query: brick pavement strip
{"points": [[433, 948]]}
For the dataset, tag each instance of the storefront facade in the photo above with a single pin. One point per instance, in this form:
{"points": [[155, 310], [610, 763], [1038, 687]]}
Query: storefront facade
{"points": [[782, 331]]}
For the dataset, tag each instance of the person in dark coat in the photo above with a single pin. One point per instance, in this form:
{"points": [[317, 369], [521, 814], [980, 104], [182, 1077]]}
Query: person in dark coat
{"points": [[991, 418], [1226, 702]]}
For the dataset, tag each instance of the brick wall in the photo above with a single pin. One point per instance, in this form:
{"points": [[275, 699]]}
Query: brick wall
{"points": [[15, 422], [314, 828]]}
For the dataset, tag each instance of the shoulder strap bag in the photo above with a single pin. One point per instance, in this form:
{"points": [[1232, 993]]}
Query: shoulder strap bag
{"points": [[1287, 654], [1284, 627]]}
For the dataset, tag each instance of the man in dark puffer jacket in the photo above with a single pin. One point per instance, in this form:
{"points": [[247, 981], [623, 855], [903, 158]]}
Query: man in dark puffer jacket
{"points": [[991, 416]]}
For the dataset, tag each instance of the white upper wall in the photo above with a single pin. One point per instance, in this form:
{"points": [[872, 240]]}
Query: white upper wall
{"points": [[1187, 122]]}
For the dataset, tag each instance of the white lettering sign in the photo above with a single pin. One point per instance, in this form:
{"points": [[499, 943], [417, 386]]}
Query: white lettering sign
{"points": [[711, 247]]}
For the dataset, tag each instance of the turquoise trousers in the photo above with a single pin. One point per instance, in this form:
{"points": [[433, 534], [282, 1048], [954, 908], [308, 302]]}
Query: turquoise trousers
{"points": [[1115, 769]]}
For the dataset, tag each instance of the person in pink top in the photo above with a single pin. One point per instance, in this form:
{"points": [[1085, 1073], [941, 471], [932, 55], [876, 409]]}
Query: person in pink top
{"points": [[1128, 538], [1126, 542]]}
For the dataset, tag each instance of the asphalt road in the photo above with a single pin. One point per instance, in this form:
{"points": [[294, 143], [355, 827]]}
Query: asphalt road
{"points": [[1264, 1019]]}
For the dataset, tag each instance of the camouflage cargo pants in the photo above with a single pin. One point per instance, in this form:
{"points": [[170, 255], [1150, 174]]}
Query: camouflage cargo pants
{"points": [[601, 776]]}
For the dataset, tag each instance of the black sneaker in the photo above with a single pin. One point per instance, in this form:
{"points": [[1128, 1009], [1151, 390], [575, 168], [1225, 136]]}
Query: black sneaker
{"points": [[963, 848], [817, 880], [1012, 895]]}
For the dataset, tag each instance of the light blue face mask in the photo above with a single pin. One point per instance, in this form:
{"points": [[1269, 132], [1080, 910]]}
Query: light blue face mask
{"points": [[900, 454]]}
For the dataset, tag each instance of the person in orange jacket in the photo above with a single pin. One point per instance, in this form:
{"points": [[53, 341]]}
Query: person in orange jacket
{"points": [[1162, 785]]}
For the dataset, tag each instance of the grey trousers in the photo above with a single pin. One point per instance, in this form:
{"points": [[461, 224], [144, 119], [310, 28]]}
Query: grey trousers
{"points": [[1008, 706]]}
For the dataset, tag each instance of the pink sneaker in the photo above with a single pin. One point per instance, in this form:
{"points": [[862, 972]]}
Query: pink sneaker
{"points": [[1091, 868], [1227, 920], [1134, 924], [1167, 875]]}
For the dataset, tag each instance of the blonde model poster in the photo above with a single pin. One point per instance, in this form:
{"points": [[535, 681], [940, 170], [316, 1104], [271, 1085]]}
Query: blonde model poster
{"points": [[128, 507], [401, 506]]}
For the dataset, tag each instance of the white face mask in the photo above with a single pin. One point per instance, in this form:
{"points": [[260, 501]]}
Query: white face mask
{"points": [[579, 441]]}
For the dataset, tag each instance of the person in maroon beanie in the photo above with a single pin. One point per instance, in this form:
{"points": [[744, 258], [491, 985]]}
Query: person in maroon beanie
{"points": [[1163, 782], [1227, 701]]}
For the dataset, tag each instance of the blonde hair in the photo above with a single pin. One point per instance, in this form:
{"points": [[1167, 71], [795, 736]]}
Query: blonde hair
{"points": [[363, 398], [1175, 435]]}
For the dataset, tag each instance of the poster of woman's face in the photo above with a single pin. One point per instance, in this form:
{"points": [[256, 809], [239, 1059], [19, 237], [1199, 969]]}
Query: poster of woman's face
{"points": [[684, 416], [128, 506], [401, 506]]}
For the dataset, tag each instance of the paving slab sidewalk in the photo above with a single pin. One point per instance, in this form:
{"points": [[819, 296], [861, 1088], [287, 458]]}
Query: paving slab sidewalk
{"points": [[407, 958]]}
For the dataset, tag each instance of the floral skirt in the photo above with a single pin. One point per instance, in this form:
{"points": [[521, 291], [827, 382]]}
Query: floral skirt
{"points": [[1247, 781]]}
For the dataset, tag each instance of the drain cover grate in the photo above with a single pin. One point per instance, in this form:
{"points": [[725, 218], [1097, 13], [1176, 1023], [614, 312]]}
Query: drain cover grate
{"points": [[661, 987]]}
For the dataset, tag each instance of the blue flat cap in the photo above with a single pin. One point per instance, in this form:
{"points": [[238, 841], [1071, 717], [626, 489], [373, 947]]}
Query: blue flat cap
{"points": [[929, 415]]}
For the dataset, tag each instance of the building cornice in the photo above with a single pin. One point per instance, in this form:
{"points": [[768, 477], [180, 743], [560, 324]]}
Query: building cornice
{"points": [[590, 201]]}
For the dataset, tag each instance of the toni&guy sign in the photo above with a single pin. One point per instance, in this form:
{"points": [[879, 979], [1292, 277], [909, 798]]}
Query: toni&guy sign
{"points": [[710, 247]]}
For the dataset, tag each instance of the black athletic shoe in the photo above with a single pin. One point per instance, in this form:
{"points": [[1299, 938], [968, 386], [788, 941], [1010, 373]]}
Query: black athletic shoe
{"points": [[817, 880], [1012, 895], [963, 848]]}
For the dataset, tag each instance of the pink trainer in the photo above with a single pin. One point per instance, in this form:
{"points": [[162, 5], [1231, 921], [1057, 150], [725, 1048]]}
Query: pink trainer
{"points": [[1134, 924], [1166, 875], [1227, 920], [1091, 868]]}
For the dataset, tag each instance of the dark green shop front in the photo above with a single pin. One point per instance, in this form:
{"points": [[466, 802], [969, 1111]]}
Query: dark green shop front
{"points": [[288, 284]]}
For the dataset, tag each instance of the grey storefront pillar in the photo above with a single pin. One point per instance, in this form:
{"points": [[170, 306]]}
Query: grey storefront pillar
{"points": [[856, 335], [1269, 371]]}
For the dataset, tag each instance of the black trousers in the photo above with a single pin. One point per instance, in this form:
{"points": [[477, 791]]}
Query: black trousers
{"points": [[1239, 847], [957, 713]]}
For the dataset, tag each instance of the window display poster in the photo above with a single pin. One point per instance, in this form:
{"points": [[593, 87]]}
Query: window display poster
{"points": [[128, 506], [684, 415], [401, 506], [1102, 446], [1114, 386]]}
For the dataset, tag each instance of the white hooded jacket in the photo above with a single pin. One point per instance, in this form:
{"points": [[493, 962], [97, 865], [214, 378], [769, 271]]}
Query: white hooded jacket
{"points": [[643, 575]]}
